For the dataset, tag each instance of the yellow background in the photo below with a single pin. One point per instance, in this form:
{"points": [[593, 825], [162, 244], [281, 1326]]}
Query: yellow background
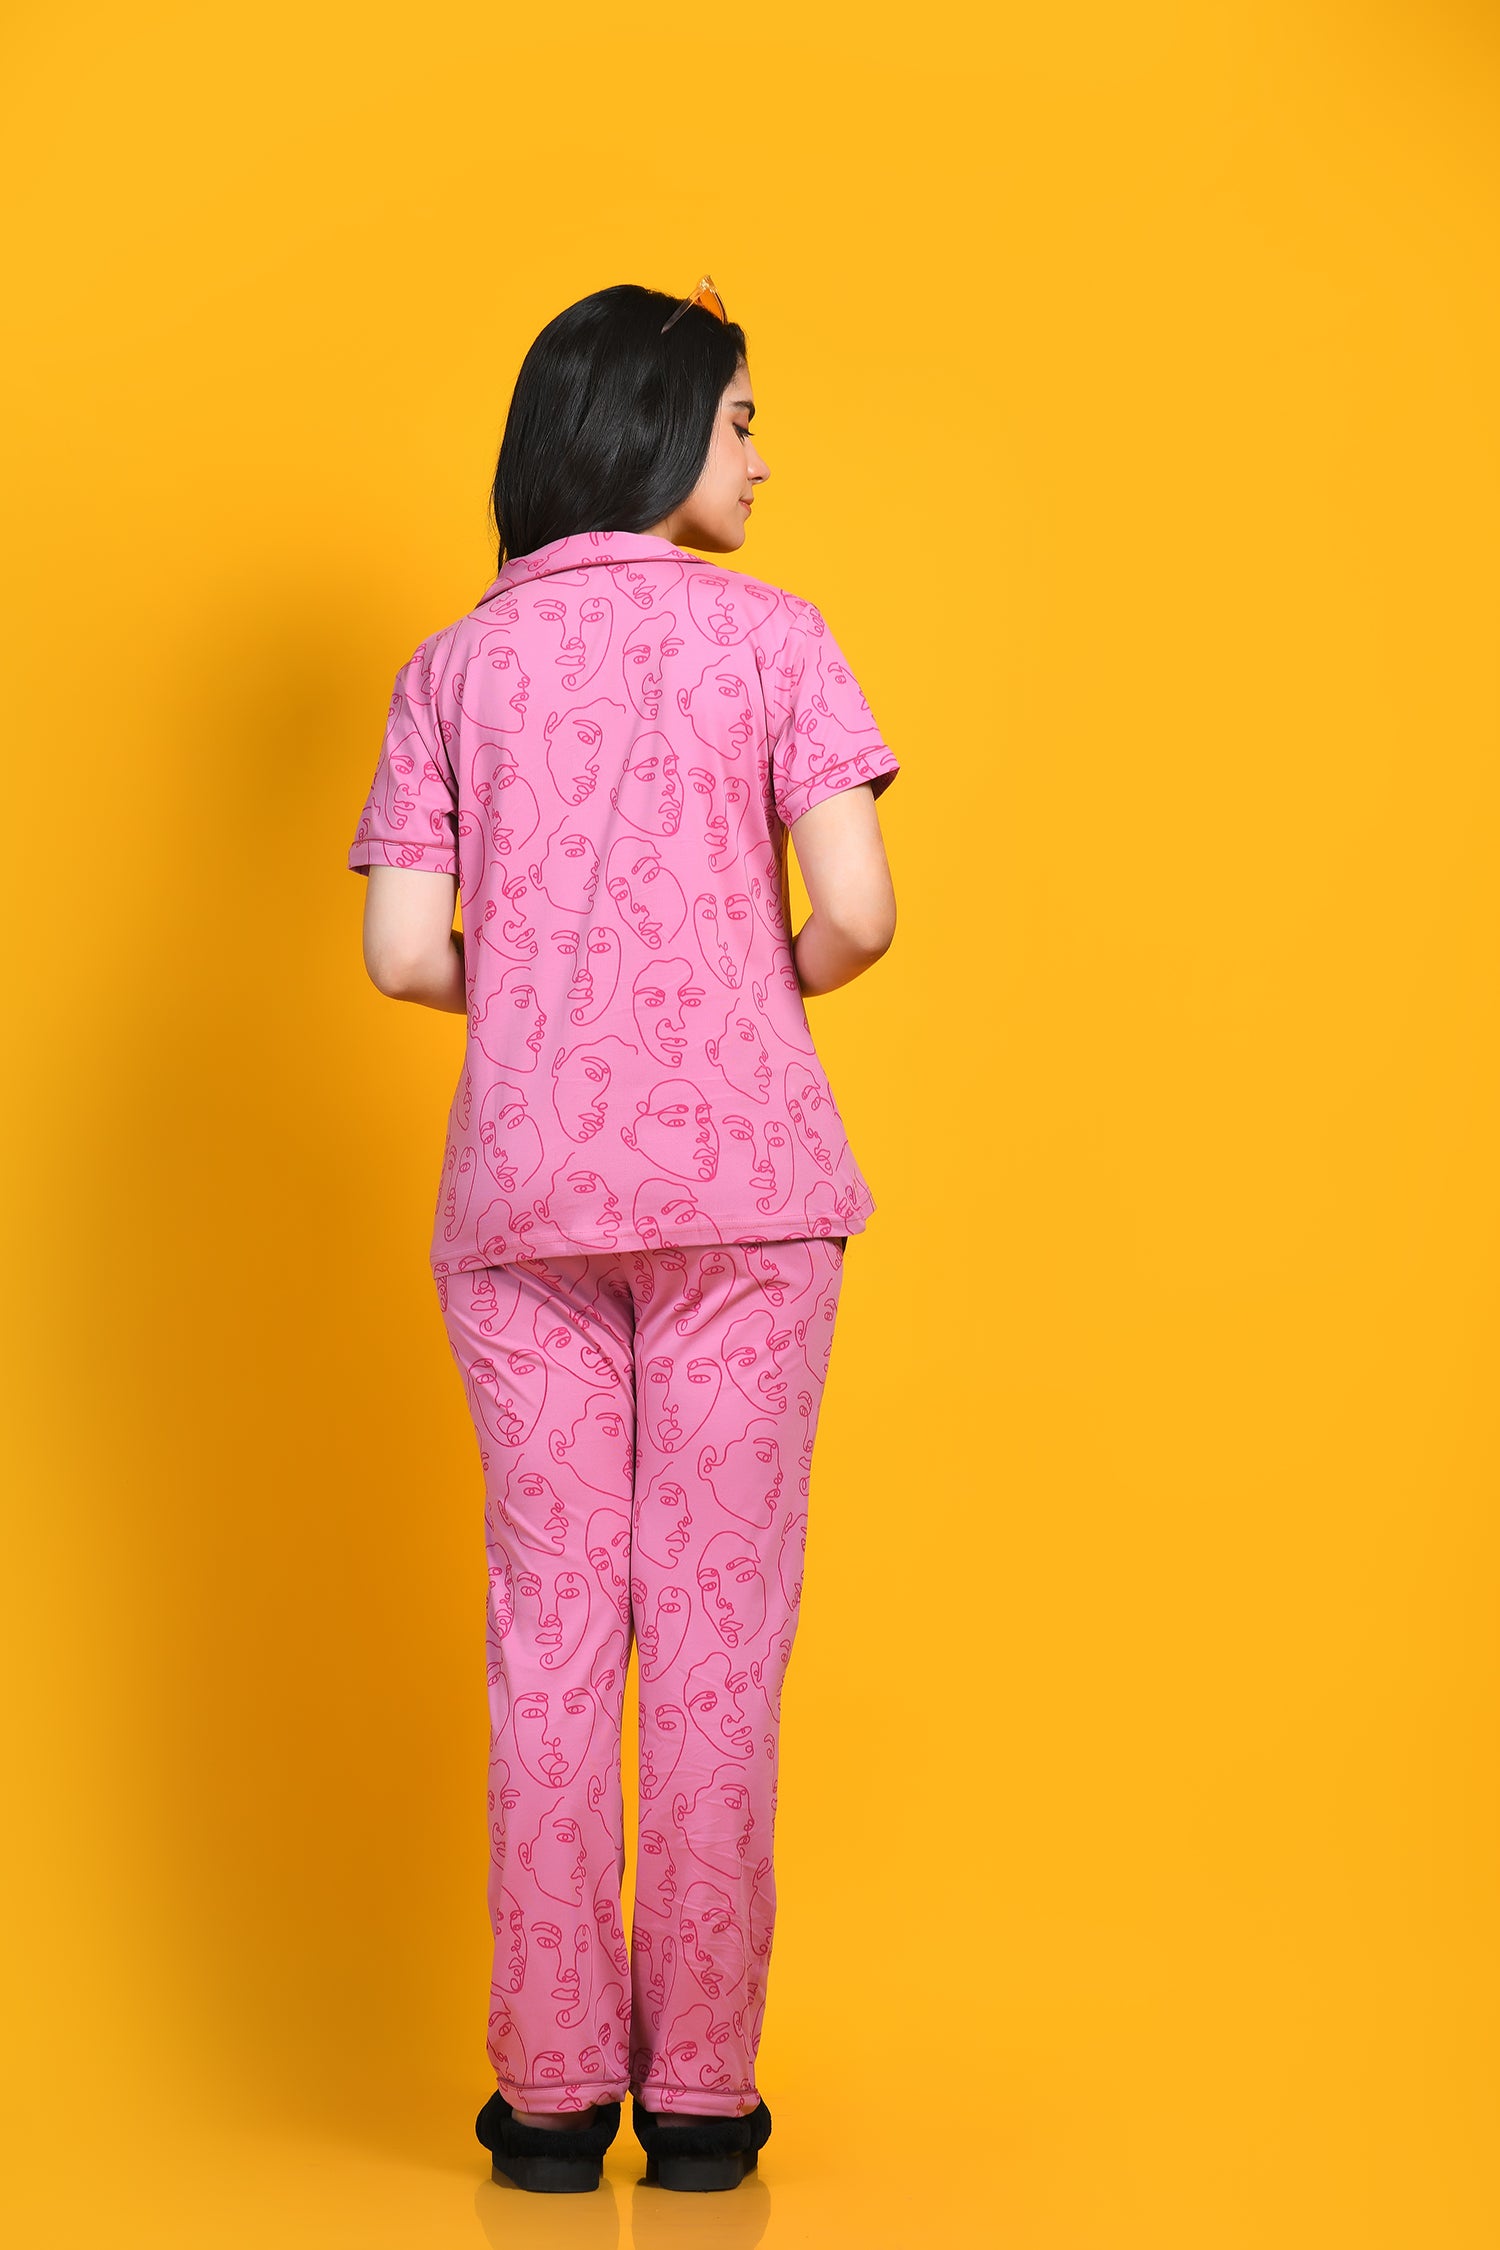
{"points": [[1128, 378]]}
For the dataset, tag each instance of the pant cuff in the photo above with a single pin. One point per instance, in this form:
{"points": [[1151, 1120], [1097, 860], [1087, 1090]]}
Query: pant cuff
{"points": [[696, 2101], [545, 2101]]}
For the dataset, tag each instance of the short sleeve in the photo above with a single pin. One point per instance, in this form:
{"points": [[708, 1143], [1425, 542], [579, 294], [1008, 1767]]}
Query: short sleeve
{"points": [[410, 817], [824, 737]]}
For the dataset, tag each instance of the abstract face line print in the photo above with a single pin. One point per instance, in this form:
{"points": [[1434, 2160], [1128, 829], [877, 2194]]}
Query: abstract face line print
{"points": [[606, 751], [646, 1424]]}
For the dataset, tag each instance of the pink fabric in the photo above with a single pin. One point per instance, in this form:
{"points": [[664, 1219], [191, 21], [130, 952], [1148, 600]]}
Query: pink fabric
{"points": [[607, 751], [680, 1522]]}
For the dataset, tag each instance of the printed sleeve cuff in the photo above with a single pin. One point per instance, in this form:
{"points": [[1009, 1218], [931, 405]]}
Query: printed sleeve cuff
{"points": [[877, 764], [434, 859]]}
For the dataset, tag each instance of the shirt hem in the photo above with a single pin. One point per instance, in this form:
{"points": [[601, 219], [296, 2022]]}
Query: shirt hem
{"points": [[552, 1244]]}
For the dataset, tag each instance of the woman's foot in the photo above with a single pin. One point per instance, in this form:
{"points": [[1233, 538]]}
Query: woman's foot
{"points": [[700, 2153], [553, 2120], [550, 2152]]}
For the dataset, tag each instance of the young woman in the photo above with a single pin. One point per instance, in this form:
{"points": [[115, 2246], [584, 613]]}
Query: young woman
{"points": [[646, 1195]]}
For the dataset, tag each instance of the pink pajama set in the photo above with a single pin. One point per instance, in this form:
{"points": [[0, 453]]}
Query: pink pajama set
{"points": [[638, 1247]]}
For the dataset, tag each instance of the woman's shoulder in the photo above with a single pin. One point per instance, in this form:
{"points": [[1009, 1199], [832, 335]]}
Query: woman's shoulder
{"points": [[430, 651], [729, 604]]}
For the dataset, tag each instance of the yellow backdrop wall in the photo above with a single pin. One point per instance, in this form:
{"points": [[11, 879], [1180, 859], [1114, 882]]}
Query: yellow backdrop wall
{"points": [[1138, 1806]]}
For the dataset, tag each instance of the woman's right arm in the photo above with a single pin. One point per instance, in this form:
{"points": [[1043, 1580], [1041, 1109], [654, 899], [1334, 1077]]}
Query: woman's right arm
{"points": [[412, 950], [841, 854]]}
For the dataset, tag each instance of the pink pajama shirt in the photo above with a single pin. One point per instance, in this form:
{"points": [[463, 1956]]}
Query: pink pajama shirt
{"points": [[608, 752], [645, 1192], [646, 1422]]}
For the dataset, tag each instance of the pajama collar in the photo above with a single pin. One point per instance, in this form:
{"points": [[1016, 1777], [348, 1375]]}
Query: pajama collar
{"points": [[579, 548]]}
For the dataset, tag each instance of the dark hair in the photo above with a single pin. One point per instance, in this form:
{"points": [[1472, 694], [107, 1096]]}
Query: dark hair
{"points": [[610, 420]]}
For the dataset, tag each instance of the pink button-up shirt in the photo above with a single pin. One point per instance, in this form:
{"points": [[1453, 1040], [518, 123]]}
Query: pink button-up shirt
{"points": [[605, 751]]}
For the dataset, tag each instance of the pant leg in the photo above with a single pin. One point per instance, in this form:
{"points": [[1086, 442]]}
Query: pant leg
{"points": [[545, 1352], [732, 1350]]}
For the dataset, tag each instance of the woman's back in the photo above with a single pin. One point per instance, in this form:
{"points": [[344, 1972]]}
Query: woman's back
{"points": [[606, 751]]}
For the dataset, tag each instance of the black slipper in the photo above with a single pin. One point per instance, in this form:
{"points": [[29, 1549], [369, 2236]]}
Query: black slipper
{"points": [[568, 2161], [703, 2154]]}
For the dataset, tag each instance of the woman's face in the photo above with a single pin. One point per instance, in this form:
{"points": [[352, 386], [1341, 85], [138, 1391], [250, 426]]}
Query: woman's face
{"points": [[716, 511]]}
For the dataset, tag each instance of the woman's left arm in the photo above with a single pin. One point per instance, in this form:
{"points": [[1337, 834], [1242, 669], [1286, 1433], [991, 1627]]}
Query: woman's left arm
{"points": [[412, 950]]}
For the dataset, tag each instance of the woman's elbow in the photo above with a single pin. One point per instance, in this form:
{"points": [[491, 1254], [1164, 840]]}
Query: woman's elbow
{"points": [[870, 934], [393, 970]]}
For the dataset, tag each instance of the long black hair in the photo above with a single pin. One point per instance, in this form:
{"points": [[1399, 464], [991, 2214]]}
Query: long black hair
{"points": [[610, 420]]}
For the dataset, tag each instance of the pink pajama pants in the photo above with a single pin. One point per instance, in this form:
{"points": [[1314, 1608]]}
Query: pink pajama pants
{"points": [[646, 1422]]}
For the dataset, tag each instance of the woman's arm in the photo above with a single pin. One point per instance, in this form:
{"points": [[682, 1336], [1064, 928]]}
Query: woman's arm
{"points": [[412, 950], [841, 853]]}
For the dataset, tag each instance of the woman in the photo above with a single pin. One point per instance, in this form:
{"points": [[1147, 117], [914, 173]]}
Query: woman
{"points": [[645, 1200]]}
